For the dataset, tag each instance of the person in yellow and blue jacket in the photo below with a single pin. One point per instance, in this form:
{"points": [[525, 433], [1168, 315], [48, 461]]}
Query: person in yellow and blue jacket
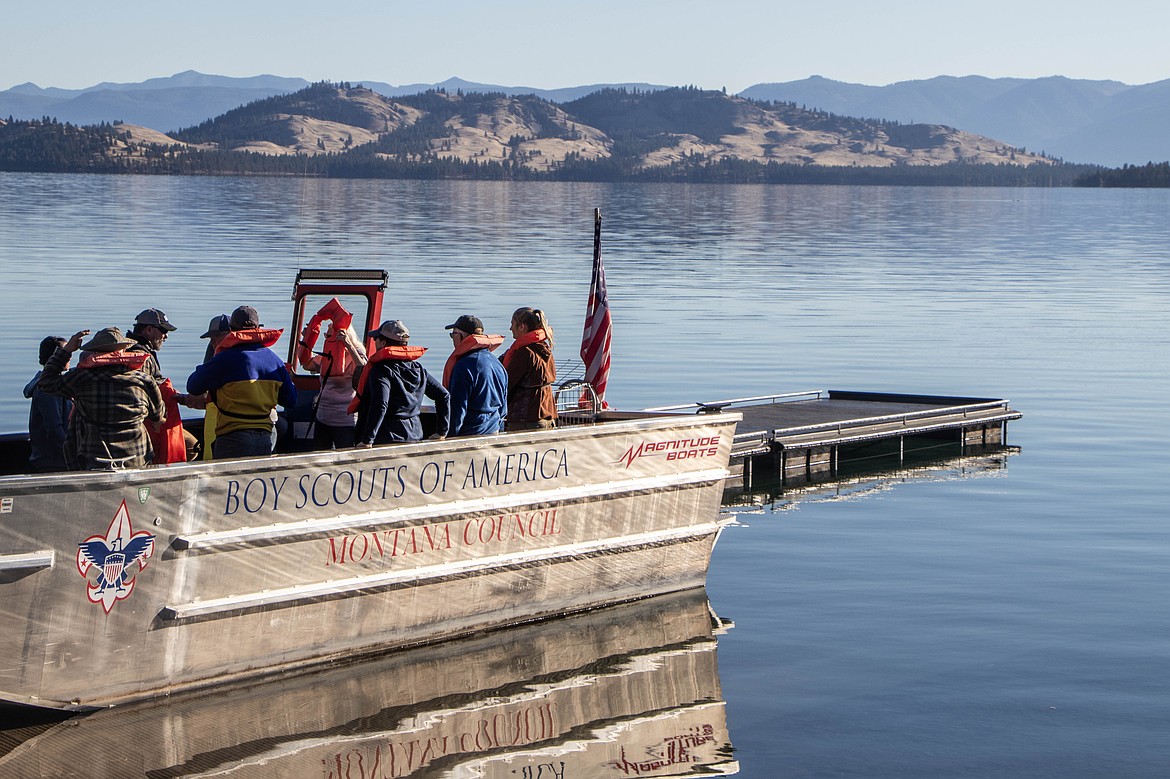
{"points": [[246, 380]]}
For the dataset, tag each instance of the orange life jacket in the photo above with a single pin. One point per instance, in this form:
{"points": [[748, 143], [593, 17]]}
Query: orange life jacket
{"points": [[133, 360], [469, 344], [385, 354], [531, 337], [255, 335], [167, 437], [341, 361]]}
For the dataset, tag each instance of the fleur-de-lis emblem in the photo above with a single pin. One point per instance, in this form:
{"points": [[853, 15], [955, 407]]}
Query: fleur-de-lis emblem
{"points": [[113, 557]]}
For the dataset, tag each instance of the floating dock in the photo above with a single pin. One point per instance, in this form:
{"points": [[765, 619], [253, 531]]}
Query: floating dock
{"points": [[808, 437]]}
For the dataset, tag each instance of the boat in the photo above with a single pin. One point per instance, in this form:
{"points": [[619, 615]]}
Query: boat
{"points": [[626, 690], [123, 586]]}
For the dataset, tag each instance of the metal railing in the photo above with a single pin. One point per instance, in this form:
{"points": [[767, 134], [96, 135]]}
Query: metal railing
{"points": [[577, 403], [717, 405]]}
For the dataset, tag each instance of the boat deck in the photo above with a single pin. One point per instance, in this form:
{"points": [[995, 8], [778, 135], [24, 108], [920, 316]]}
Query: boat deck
{"points": [[804, 437]]}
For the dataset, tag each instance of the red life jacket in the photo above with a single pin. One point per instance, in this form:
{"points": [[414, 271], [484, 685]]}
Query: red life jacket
{"points": [[385, 354], [469, 344]]}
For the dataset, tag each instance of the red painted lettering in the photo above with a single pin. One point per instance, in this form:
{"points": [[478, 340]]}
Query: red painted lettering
{"points": [[354, 554], [336, 556]]}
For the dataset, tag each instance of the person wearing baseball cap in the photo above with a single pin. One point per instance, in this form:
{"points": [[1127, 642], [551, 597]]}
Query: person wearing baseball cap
{"points": [[113, 398], [150, 331], [391, 390], [476, 380], [247, 381], [219, 326]]}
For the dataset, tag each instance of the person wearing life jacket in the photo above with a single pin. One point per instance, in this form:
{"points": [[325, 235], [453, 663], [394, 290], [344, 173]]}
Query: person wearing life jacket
{"points": [[113, 397], [149, 332], [531, 372], [476, 380], [391, 389], [246, 381], [343, 355], [172, 444], [48, 418]]}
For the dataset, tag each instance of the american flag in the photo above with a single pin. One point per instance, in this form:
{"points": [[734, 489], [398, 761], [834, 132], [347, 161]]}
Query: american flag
{"points": [[595, 341]]}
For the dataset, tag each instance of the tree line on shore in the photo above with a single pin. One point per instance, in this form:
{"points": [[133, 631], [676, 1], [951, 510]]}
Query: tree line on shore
{"points": [[46, 146]]}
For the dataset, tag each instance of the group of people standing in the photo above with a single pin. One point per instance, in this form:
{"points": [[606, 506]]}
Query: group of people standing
{"points": [[479, 394], [115, 409]]}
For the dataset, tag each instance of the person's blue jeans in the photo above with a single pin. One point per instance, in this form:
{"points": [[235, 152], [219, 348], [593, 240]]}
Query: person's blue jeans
{"points": [[244, 443]]}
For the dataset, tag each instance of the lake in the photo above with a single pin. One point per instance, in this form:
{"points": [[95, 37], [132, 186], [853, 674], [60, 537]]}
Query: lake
{"points": [[962, 621]]}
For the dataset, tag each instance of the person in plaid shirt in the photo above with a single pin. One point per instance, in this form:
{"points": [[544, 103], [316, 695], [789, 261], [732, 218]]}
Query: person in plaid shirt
{"points": [[112, 397]]}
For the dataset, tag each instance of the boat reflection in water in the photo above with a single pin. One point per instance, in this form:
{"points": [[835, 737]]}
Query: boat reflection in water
{"points": [[770, 496], [629, 690]]}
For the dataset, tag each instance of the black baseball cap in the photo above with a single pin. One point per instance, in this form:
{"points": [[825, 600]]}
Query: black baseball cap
{"points": [[244, 318], [468, 324], [152, 316], [218, 324]]}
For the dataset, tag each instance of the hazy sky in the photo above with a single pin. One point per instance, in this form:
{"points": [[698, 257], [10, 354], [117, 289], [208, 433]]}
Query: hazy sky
{"points": [[733, 44]]}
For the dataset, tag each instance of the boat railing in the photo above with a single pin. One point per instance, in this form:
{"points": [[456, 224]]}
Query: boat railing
{"points": [[715, 406], [577, 403]]}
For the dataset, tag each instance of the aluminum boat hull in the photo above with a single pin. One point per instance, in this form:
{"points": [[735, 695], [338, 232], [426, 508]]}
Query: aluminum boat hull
{"points": [[123, 586]]}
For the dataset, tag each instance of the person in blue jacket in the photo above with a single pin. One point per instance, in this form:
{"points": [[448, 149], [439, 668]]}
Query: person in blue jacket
{"points": [[476, 379], [247, 380]]}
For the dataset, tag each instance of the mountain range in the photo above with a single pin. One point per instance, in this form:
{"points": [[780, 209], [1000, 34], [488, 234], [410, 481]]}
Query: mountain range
{"points": [[1084, 121], [611, 134], [189, 98], [1099, 122]]}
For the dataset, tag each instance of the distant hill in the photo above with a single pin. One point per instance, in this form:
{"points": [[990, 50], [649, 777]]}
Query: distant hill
{"points": [[644, 129], [612, 134], [1101, 122]]}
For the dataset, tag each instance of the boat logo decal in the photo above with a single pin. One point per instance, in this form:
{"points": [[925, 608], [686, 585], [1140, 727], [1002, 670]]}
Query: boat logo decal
{"points": [[673, 449], [113, 557], [143, 494]]}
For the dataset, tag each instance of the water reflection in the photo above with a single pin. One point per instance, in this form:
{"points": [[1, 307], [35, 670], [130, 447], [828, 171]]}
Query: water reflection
{"points": [[769, 496], [632, 690]]}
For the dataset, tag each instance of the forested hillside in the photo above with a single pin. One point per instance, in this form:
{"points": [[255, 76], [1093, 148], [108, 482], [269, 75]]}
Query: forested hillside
{"points": [[678, 134]]}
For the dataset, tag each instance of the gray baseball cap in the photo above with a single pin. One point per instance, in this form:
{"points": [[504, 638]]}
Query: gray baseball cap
{"points": [[391, 329]]}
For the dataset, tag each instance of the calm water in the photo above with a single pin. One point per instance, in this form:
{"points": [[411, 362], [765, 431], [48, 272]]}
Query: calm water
{"points": [[1011, 623]]}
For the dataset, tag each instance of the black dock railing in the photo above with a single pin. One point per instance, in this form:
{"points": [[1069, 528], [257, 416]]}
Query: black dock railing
{"points": [[798, 438]]}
